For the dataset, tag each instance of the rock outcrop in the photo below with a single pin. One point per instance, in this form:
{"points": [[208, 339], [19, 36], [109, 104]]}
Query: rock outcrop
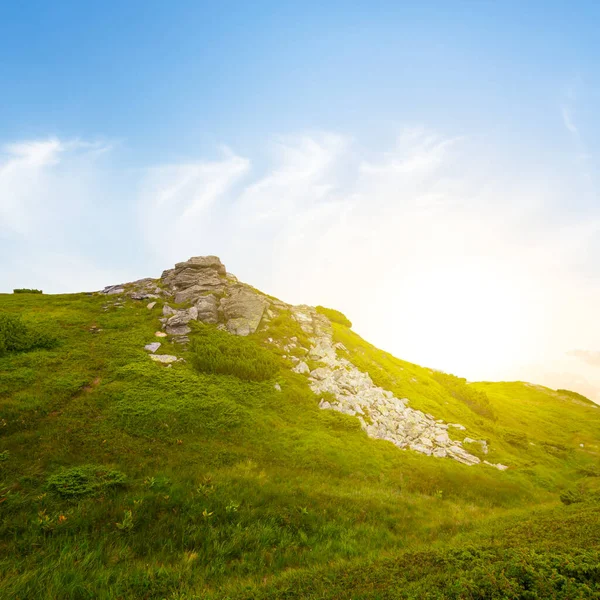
{"points": [[190, 279], [216, 297]]}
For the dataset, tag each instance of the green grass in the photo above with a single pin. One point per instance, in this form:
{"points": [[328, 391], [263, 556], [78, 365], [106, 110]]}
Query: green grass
{"points": [[122, 478]]}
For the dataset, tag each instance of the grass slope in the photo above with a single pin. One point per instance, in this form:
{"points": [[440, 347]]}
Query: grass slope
{"points": [[120, 478]]}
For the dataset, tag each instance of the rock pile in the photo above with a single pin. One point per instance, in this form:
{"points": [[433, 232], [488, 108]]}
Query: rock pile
{"points": [[380, 413]]}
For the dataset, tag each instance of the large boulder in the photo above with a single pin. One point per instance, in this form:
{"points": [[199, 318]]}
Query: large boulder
{"points": [[208, 309], [243, 310]]}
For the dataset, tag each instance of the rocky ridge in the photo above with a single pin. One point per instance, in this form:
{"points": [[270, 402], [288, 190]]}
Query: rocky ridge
{"points": [[213, 296]]}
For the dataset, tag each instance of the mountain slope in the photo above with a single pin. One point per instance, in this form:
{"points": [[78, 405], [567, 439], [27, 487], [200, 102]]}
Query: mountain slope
{"points": [[218, 475]]}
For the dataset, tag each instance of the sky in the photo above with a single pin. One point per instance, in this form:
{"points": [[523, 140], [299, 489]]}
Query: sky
{"points": [[429, 168]]}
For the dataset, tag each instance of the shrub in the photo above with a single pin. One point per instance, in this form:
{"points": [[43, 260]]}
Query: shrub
{"points": [[458, 388], [218, 352], [86, 480], [575, 396], [15, 336], [572, 496], [335, 316], [27, 291]]}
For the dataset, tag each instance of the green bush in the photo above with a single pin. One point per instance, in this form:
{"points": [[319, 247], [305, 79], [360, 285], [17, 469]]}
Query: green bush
{"points": [[27, 291], [218, 352], [335, 316], [87, 480], [458, 388], [15, 336]]}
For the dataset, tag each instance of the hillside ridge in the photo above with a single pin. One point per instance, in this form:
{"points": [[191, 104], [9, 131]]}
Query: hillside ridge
{"points": [[203, 291]]}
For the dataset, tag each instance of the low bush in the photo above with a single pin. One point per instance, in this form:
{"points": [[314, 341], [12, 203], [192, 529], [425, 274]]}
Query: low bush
{"points": [[86, 480], [335, 316], [458, 388], [219, 352], [15, 336], [27, 291]]}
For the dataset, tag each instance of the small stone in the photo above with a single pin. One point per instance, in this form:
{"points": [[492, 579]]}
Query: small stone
{"points": [[301, 368], [151, 305], [153, 347], [457, 426], [277, 387], [160, 334], [163, 358]]}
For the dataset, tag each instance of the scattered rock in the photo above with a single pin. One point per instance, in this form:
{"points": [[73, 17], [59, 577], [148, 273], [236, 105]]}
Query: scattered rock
{"points": [[498, 466], [141, 296], [160, 334], [301, 368], [178, 323], [153, 347], [164, 358], [277, 387], [113, 289], [457, 426], [385, 416], [151, 305]]}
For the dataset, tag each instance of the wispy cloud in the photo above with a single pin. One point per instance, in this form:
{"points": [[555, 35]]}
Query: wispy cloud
{"points": [[436, 252], [568, 120]]}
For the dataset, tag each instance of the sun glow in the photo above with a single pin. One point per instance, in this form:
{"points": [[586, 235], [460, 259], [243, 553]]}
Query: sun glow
{"points": [[468, 319]]}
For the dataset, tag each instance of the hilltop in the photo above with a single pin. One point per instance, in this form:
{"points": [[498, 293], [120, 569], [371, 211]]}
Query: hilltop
{"points": [[189, 436]]}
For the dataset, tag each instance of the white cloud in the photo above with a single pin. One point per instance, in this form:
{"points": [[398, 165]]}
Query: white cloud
{"points": [[439, 250], [568, 120]]}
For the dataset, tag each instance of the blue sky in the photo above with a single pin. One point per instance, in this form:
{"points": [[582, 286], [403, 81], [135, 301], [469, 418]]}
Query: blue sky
{"points": [[439, 158]]}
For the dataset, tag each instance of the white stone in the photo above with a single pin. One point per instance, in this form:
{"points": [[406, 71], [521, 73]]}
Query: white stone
{"points": [[301, 368], [153, 347], [163, 358]]}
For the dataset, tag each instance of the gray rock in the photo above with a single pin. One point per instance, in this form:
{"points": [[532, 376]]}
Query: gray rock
{"points": [[243, 310], [167, 311], [113, 289], [277, 387], [178, 323], [208, 309], [151, 305], [191, 278], [164, 358], [153, 347]]}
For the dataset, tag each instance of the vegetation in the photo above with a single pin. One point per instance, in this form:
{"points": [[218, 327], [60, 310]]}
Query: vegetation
{"points": [[335, 316], [87, 480], [120, 478], [15, 336], [221, 353], [26, 291]]}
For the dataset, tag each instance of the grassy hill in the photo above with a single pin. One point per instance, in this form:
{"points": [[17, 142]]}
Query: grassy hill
{"points": [[219, 477]]}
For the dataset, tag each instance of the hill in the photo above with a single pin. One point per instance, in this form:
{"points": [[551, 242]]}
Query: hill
{"points": [[264, 450]]}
